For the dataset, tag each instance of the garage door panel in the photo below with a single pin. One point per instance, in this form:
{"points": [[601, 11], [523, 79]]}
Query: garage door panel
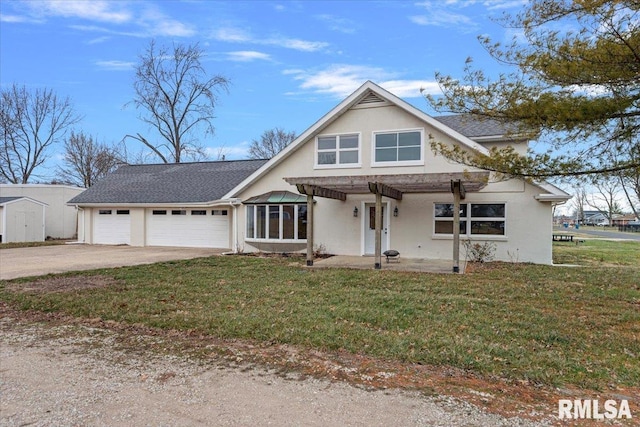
{"points": [[208, 231], [111, 228]]}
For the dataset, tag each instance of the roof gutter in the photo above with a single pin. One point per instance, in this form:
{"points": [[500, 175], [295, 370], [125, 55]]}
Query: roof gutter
{"points": [[212, 203]]}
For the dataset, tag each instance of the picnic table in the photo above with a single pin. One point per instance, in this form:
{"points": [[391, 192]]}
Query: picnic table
{"points": [[562, 237]]}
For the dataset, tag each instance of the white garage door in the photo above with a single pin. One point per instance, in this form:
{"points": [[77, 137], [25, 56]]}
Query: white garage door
{"points": [[202, 228], [112, 227]]}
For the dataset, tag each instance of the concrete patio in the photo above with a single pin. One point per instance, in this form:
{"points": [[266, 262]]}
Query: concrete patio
{"points": [[419, 265]]}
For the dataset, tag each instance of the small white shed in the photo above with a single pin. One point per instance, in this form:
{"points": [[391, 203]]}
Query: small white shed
{"points": [[22, 219], [62, 220]]}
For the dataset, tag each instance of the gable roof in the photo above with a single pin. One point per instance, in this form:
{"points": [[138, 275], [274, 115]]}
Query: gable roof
{"points": [[477, 128], [199, 182], [4, 200], [10, 199], [367, 94]]}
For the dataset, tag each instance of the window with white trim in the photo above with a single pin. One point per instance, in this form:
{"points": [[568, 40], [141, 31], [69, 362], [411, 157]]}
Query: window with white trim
{"points": [[277, 222], [476, 219], [397, 148], [338, 150]]}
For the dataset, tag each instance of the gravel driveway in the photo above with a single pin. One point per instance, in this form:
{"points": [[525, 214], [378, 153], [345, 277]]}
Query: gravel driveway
{"points": [[69, 376], [35, 261]]}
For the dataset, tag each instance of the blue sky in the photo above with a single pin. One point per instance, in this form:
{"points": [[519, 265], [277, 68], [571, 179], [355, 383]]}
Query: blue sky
{"points": [[289, 62]]}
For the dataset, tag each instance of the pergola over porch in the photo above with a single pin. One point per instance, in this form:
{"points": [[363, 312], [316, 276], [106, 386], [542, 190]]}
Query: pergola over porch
{"points": [[392, 186]]}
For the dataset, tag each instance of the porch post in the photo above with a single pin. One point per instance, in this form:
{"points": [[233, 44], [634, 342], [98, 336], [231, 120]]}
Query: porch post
{"points": [[378, 264], [310, 229], [455, 188]]}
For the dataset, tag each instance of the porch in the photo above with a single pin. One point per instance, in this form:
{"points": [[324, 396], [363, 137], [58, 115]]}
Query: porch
{"points": [[392, 186], [418, 265]]}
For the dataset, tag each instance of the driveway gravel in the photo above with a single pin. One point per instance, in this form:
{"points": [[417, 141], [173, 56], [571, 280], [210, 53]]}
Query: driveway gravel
{"points": [[70, 376]]}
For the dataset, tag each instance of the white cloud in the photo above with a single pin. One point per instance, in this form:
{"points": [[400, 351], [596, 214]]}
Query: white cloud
{"points": [[144, 20], [341, 80], [456, 13], [411, 88], [115, 65], [17, 19], [296, 44], [238, 35], [341, 25], [96, 10], [232, 35], [157, 23], [98, 40], [247, 56]]}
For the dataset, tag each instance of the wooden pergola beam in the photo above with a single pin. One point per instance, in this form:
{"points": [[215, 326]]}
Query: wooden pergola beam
{"points": [[314, 190], [385, 190], [457, 188]]}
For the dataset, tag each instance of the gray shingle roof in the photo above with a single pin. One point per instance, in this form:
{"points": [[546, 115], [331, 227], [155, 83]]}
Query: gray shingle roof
{"points": [[475, 127], [169, 183], [4, 200]]}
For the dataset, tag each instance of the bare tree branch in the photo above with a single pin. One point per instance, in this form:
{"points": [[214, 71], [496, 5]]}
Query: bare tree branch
{"points": [[31, 123], [176, 98]]}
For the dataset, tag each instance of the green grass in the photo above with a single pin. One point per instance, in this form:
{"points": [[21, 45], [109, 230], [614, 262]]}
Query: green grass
{"points": [[597, 252], [548, 325], [14, 245]]}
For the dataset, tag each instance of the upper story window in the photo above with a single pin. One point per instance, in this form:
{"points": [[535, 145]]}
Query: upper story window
{"points": [[398, 148], [338, 151]]}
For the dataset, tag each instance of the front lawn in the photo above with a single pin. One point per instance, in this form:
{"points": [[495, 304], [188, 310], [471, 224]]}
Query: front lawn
{"points": [[571, 326]]}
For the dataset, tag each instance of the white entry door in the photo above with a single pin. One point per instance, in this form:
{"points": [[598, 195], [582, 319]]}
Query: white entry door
{"points": [[369, 228]]}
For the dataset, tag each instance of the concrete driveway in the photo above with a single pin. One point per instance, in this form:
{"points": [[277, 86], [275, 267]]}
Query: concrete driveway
{"points": [[24, 262]]}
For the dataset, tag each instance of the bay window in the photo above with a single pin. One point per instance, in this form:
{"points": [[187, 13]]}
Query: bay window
{"points": [[277, 222]]}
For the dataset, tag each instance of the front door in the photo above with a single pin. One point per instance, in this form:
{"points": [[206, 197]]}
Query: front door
{"points": [[369, 223]]}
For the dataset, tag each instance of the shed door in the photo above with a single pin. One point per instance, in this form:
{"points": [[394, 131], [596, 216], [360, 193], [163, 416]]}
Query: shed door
{"points": [[112, 227], [26, 227], [202, 228]]}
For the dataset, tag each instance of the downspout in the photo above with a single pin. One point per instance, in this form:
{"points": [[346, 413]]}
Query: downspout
{"points": [[78, 210], [44, 221], [235, 203]]}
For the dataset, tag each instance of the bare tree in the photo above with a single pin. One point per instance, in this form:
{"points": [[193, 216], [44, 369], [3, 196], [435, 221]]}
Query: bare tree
{"points": [[86, 161], [176, 98], [630, 183], [579, 201], [271, 142], [31, 122], [605, 197]]}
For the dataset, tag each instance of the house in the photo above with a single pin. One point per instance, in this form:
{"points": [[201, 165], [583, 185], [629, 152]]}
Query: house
{"points": [[21, 220], [623, 219], [61, 220], [359, 181], [594, 218]]}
